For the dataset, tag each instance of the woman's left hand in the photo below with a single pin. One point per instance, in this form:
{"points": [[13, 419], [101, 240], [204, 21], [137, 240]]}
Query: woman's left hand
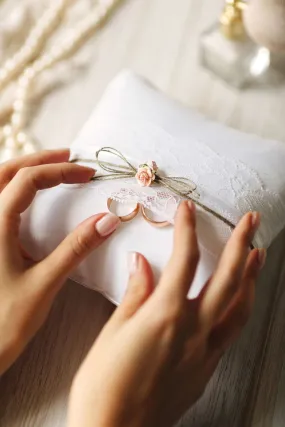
{"points": [[28, 288]]}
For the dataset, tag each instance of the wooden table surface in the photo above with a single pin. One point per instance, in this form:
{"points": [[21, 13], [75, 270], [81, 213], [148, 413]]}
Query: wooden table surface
{"points": [[158, 39]]}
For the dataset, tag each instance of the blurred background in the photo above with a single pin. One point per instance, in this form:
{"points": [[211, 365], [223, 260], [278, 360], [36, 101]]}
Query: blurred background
{"points": [[165, 41], [160, 39]]}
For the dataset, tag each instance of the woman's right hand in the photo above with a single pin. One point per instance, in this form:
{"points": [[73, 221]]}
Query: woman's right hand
{"points": [[158, 351]]}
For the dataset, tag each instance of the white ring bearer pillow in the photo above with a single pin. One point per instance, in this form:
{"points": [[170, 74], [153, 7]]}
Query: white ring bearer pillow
{"points": [[234, 173]]}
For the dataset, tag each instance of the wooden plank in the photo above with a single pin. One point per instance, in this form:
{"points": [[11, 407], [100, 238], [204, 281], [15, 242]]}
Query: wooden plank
{"points": [[267, 407], [35, 390]]}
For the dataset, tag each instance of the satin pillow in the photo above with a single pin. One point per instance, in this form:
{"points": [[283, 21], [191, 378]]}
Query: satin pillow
{"points": [[234, 173]]}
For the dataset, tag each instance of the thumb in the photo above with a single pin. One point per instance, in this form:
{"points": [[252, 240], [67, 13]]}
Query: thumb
{"points": [[75, 247]]}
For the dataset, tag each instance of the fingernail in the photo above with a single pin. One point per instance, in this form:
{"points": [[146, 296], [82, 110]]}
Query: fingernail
{"points": [[107, 224], [261, 258], [133, 262], [192, 206], [255, 220], [92, 170]]}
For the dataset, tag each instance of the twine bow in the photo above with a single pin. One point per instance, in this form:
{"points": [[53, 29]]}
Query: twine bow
{"points": [[181, 186]]}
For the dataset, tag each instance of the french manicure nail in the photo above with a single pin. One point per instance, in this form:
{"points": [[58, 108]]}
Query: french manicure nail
{"points": [[261, 258], [191, 206], [255, 220], [133, 262], [107, 224]]}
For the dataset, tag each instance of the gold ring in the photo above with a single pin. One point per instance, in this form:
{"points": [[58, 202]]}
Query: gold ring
{"points": [[125, 218], [152, 222]]}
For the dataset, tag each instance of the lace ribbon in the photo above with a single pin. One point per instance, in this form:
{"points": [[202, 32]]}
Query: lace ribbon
{"points": [[181, 186]]}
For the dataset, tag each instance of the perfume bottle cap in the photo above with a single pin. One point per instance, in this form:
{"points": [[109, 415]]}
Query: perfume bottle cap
{"points": [[231, 20]]}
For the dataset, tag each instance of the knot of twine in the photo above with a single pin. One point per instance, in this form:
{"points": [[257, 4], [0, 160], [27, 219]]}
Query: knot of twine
{"points": [[181, 186]]}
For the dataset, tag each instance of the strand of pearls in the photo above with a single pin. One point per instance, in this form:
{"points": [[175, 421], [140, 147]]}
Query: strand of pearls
{"points": [[13, 135], [36, 40]]}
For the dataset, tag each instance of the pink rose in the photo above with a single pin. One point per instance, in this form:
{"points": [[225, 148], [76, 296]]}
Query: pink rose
{"points": [[145, 176]]}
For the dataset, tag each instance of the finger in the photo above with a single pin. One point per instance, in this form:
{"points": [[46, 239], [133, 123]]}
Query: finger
{"points": [[75, 247], [227, 277], [140, 286], [20, 192], [9, 169], [179, 272], [236, 316]]}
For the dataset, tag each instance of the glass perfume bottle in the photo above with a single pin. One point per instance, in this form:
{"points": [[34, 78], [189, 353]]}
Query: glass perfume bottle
{"points": [[228, 51]]}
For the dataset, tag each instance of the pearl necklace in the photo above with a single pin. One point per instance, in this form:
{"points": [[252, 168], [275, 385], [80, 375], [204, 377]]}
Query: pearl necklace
{"points": [[27, 65]]}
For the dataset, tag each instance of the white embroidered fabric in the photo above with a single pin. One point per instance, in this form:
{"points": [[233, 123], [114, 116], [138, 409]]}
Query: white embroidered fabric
{"points": [[233, 172], [225, 184]]}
